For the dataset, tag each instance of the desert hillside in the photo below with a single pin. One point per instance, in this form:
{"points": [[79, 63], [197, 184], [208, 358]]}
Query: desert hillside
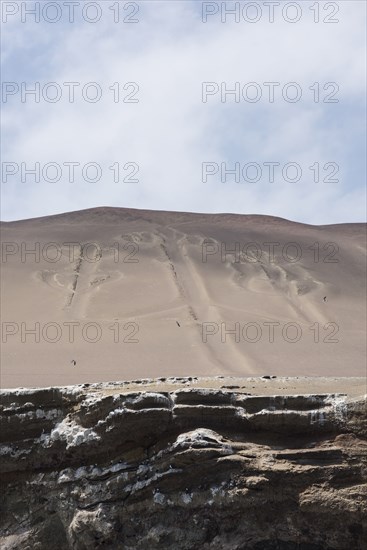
{"points": [[117, 294]]}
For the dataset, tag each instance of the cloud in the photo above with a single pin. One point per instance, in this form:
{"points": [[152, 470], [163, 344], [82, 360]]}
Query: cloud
{"points": [[170, 132]]}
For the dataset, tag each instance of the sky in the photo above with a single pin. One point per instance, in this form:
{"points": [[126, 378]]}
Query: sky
{"points": [[244, 107]]}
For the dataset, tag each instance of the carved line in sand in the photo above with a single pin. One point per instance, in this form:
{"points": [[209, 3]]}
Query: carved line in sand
{"points": [[86, 279], [195, 292], [272, 279], [261, 276], [258, 276]]}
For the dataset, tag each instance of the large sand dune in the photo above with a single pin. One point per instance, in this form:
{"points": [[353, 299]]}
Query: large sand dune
{"points": [[159, 291]]}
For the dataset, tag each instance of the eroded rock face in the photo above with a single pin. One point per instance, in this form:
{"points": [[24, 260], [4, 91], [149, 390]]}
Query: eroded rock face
{"points": [[188, 469]]}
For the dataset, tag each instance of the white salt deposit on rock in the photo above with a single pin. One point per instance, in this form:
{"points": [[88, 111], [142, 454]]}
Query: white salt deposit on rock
{"points": [[71, 432]]}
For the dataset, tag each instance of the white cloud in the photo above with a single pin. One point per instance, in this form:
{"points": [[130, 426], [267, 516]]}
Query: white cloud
{"points": [[170, 132]]}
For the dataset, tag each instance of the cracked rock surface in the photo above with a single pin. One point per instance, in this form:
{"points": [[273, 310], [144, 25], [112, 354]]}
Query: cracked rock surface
{"points": [[97, 466]]}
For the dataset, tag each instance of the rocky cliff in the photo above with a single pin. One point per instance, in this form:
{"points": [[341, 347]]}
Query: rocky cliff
{"points": [[98, 466]]}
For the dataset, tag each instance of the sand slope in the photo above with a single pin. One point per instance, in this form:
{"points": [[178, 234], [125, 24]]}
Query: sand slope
{"points": [[158, 291]]}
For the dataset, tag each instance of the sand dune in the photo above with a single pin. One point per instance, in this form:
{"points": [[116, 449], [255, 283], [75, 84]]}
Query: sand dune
{"points": [[133, 294]]}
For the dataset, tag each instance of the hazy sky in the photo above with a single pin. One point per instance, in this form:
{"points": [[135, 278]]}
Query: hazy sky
{"points": [[166, 133]]}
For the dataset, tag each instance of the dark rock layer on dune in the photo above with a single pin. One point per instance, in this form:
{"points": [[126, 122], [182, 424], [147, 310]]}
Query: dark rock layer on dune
{"points": [[88, 468]]}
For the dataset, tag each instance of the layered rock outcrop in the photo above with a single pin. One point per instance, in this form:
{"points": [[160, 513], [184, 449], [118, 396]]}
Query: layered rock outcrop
{"points": [[90, 467]]}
